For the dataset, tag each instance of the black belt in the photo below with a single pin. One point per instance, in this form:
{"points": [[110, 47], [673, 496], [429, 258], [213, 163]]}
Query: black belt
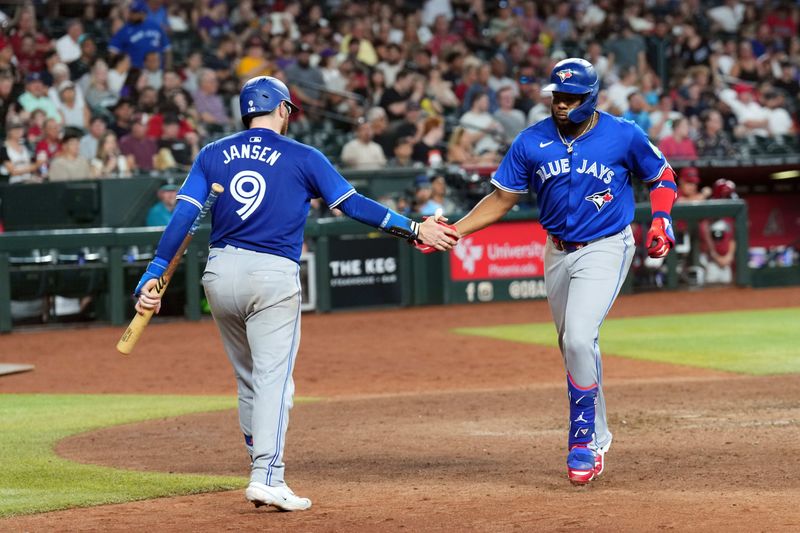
{"points": [[569, 247]]}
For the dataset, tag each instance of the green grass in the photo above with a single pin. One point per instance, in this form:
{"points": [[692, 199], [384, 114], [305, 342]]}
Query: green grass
{"points": [[748, 342], [34, 479]]}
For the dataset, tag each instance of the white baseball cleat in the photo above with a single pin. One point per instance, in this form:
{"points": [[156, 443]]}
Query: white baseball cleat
{"points": [[281, 497]]}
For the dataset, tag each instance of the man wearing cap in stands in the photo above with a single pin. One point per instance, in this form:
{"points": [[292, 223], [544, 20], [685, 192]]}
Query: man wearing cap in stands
{"points": [[140, 36], [35, 97]]}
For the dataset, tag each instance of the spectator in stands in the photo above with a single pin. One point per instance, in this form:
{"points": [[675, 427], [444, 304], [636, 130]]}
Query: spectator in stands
{"points": [[481, 86], [619, 91], [637, 111], [439, 198], [627, 49], [430, 150], [172, 84], [728, 16], [692, 48], [779, 122], [747, 67], [362, 152], [138, 144], [512, 120], [440, 91], [498, 77], [35, 125], [190, 71], [481, 125], [91, 140], [461, 150], [377, 118], [214, 24], [253, 63], [49, 145], [74, 111], [16, 163], [561, 25], [411, 125], [689, 185], [139, 36], [8, 63], [81, 66], [9, 100], [60, 74], [152, 71], [68, 164], [208, 103], [679, 145], [123, 118], [161, 212], [392, 64], [749, 113], [67, 46], [158, 14], [29, 44], [663, 118], [713, 141], [717, 241], [109, 162], [395, 98], [99, 95], [35, 97], [306, 80], [176, 151], [403, 149]]}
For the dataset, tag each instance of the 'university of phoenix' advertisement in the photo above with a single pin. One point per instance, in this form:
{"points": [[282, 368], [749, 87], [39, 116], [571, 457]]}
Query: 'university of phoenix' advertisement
{"points": [[501, 251]]}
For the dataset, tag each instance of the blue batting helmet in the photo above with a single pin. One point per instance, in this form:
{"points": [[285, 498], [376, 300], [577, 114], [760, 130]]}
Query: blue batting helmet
{"points": [[576, 76], [261, 95]]}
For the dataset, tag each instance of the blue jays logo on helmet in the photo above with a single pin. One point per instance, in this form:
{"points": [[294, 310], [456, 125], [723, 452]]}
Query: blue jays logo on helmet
{"points": [[564, 74], [261, 95], [576, 76]]}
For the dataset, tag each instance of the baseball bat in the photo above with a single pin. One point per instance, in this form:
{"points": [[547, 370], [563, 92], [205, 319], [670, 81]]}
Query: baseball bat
{"points": [[139, 322]]}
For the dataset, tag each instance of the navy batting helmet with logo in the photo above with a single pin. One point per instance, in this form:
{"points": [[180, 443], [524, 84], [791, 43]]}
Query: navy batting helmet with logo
{"points": [[261, 95], [576, 76]]}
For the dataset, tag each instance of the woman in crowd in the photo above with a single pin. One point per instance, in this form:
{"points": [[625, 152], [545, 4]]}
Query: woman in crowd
{"points": [[109, 161], [16, 162]]}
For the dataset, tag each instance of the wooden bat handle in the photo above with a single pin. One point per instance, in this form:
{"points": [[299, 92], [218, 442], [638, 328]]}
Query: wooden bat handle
{"points": [[139, 322]]}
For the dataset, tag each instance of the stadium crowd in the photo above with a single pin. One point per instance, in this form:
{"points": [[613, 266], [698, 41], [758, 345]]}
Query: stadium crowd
{"points": [[112, 89]]}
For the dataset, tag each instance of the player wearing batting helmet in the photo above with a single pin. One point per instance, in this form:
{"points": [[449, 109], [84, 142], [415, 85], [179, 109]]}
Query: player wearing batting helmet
{"points": [[580, 163], [252, 278]]}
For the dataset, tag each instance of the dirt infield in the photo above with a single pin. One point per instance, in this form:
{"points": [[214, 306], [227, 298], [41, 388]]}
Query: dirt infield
{"points": [[432, 431]]}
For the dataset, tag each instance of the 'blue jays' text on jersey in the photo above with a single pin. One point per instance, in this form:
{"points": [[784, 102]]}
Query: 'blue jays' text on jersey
{"points": [[137, 40], [586, 194], [269, 180]]}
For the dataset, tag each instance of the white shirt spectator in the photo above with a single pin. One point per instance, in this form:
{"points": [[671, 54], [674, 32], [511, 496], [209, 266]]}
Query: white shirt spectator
{"points": [[746, 111], [618, 95], [67, 49], [434, 8], [356, 154], [482, 123], [780, 122], [538, 112], [729, 16]]}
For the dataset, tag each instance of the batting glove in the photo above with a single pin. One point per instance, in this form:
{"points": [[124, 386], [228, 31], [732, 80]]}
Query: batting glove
{"points": [[155, 269], [660, 238], [426, 248]]}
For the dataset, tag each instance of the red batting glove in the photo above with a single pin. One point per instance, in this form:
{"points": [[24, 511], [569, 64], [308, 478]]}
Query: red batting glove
{"points": [[660, 238], [426, 248]]}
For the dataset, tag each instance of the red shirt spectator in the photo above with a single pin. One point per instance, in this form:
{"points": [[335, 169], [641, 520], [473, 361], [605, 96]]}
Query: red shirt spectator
{"points": [[679, 145]]}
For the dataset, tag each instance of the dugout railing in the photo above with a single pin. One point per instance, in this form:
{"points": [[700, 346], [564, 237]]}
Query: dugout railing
{"points": [[403, 276]]}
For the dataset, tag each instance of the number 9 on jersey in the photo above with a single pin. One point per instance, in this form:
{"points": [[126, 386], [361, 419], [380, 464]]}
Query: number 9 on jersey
{"points": [[248, 188]]}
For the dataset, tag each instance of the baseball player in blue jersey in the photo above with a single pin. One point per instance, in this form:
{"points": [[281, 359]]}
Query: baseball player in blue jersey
{"points": [[251, 279], [580, 162]]}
